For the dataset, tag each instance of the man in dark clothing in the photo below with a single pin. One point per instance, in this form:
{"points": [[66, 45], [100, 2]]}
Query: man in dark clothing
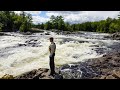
{"points": [[52, 49]]}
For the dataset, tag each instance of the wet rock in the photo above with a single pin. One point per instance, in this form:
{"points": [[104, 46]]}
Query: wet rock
{"points": [[89, 72], [71, 74], [42, 73], [106, 36], [109, 57], [94, 46], [33, 43], [43, 69], [113, 62], [104, 55], [1, 34], [58, 76], [83, 41], [65, 67], [47, 33], [61, 42], [47, 78], [26, 33], [106, 67], [103, 77], [22, 45], [110, 77], [75, 56], [116, 73], [114, 36], [100, 50], [7, 76], [27, 75], [67, 40], [75, 66], [4, 34], [106, 71], [66, 32]]}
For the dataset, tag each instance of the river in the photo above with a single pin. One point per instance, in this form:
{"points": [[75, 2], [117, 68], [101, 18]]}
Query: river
{"points": [[22, 53]]}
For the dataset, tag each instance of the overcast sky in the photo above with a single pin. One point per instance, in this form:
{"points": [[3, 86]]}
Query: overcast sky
{"points": [[72, 16]]}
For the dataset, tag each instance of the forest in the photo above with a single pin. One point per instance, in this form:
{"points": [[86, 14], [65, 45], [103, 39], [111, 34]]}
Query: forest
{"points": [[12, 22]]}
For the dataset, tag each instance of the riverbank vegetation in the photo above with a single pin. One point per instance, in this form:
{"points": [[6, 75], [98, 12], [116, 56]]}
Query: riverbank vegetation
{"points": [[10, 21], [104, 26]]}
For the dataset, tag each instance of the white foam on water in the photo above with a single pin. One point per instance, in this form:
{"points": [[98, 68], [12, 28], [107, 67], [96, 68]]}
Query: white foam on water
{"points": [[24, 59], [7, 41]]}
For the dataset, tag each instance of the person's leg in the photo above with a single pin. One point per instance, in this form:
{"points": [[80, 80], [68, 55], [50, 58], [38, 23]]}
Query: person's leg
{"points": [[52, 66], [50, 63]]}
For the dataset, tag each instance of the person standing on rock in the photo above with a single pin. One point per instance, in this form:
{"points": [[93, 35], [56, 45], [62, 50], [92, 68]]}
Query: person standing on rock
{"points": [[52, 49]]}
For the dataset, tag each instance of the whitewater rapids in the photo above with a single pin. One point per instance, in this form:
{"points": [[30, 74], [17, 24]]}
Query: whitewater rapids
{"points": [[22, 53]]}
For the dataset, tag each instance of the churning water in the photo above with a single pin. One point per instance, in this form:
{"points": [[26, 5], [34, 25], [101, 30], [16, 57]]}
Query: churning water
{"points": [[21, 53]]}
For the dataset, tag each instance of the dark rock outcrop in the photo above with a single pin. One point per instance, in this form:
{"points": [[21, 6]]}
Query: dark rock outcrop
{"points": [[41, 73], [1, 34], [4, 34], [106, 67], [114, 36], [26, 33], [47, 33], [31, 43], [7, 76]]}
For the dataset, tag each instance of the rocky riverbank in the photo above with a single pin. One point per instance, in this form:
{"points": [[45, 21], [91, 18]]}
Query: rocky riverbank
{"points": [[106, 67], [42, 73]]}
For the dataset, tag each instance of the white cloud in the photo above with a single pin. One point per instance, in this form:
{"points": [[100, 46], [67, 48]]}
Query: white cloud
{"points": [[34, 12], [36, 16], [73, 16], [17, 12], [38, 19], [31, 12], [83, 16]]}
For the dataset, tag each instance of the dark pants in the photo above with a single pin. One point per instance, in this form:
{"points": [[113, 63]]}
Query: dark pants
{"points": [[52, 65]]}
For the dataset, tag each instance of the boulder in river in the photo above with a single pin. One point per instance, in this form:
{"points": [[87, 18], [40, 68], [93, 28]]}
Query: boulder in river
{"points": [[114, 36], [47, 33], [4, 34], [26, 33], [1, 34]]}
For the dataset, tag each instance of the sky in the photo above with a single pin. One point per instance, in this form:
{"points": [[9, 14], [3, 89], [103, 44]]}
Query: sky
{"points": [[71, 16]]}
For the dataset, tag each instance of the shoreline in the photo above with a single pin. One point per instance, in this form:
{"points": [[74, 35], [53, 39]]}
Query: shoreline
{"points": [[106, 67]]}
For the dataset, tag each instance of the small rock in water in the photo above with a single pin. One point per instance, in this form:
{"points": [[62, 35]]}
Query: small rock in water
{"points": [[94, 46], [75, 56], [47, 33], [65, 67], [22, 45], [58, 76]]}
